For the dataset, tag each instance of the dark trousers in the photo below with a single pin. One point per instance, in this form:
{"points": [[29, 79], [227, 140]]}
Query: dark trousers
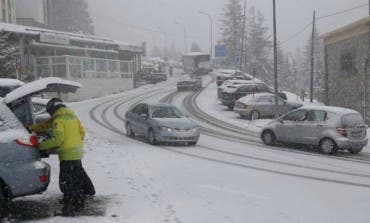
{"points": [[75, 184]]}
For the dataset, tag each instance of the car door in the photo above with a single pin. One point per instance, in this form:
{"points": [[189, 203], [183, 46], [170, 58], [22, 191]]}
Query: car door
{"points": [[265, 105], [142, 119], [132, 117], [288, 125], [312, 128]]}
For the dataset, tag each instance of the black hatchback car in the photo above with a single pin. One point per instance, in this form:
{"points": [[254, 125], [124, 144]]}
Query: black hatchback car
{"points": [[230, 95]]}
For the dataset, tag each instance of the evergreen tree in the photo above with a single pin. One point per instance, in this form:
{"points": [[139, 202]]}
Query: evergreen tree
{"points": [[195, 47], [9, 54], [258, 46], [231, 29], [71, 16]]}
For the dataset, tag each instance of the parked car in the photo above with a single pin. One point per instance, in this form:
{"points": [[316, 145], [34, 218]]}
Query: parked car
{"points": [[22, 172], [189, 82], [230, 95], [7, 85], [224, 75], [329, 128], [231, 84], [260, 105], [161, 122]]}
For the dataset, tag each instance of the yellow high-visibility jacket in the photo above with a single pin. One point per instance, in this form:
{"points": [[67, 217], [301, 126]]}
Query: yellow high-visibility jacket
{"points": [[67, 134]]}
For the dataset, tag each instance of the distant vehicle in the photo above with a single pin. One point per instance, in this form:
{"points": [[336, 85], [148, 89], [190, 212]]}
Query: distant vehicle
{"points": [[160, 123], [230, 95], [189, 82], [231, 84], [329, 128], [22, 172], [7, 85], [263, 105], [224, 75], [156, 77]]}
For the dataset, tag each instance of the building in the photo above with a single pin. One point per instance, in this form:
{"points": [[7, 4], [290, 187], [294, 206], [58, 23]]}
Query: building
{"points": [[7, 12], [32, 13], [347, 70], [102, 65]]}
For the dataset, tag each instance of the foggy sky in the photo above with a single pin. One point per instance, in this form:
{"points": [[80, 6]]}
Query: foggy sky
{"points": [[134, 20]]}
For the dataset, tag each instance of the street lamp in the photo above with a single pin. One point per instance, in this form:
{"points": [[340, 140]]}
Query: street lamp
{"points": [[211, 24], [185, 38]]}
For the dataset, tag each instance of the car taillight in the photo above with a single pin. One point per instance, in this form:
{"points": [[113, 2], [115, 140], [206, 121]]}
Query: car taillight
{"points": [[31, 141], [342, 131], [43, 178], [234, 98]]}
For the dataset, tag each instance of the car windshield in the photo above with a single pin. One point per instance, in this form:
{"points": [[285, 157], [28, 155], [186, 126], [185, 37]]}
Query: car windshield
{"points": [[4, 90], [166, 112]]}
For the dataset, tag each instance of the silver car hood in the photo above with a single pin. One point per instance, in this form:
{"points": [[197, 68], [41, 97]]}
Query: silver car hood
{"points": [[175, 122]]}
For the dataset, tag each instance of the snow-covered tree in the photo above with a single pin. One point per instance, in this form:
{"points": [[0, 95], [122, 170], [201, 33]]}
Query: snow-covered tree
{"points": [[71, 16], [231, 29], [195, 47], [9, 54], [258, 46]]}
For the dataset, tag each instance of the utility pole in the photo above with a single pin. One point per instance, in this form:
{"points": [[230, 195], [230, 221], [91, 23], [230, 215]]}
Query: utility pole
{"points": [[276, 84], [312, 55], [211, 36], [243, 36], [185, 36]]}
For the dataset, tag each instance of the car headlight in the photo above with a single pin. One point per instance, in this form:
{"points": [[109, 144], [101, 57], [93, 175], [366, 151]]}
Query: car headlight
{"points": [[195, 129], [166, 129]]}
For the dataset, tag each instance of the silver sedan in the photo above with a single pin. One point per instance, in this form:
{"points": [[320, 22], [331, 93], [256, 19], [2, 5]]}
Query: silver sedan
{"points": [[260, 105], [161, 122]]}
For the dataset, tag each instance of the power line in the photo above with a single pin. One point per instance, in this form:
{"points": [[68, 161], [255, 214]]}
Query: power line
{"points": [[322, 17]]}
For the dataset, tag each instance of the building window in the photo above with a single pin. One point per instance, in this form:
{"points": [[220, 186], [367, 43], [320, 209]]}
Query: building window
{"points": [[347, 62]]}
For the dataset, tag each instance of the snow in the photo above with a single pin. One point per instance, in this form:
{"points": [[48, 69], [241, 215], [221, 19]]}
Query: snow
{"points": [[38, 86], [137, 182], [5, 82]]}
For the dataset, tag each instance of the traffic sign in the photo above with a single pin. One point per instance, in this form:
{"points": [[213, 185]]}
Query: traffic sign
{"points": [[220, 50]]}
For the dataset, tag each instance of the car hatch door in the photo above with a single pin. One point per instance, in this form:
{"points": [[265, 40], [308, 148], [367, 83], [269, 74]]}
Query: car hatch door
{"points": [[47, 85]]}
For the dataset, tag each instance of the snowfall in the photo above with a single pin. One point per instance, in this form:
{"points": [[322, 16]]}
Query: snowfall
{"points": [[218, 181]]}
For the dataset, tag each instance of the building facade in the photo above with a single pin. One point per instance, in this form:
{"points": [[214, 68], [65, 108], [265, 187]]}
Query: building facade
{"points": [[347, 67], [103, 66], [7, 12]]}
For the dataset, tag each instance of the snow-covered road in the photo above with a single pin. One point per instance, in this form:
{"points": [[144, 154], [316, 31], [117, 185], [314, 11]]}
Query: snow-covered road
{"points": [[226, 178]]}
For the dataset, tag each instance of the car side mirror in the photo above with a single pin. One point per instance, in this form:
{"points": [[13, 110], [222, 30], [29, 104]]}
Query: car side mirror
{"points": [[144, 115]]}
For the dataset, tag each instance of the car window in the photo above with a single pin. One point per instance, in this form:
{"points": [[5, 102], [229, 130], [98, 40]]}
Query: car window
{"points": [[262, 88], [317, 116], [138, 109], [8, 119], [165, 112], [351, 120], [266, 100], [296, 116]]}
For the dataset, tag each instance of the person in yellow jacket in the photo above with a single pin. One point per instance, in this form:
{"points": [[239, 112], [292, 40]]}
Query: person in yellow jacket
{"points": [[67, 135]]}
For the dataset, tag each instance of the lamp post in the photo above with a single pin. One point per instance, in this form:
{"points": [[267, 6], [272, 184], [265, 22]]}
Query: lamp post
{"points": [[185, 36], [211, 28]]}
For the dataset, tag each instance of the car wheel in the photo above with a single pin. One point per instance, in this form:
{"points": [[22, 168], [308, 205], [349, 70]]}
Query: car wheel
{"points": [[4, 202], [268, 137], [355, 151], [151, 137], [129, 131], [255, 115], [327, 146]]}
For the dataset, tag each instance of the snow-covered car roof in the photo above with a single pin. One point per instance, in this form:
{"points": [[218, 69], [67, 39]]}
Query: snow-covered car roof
{"points": [[5, 82], [50, 84], [254, 96], [338, 110]]}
